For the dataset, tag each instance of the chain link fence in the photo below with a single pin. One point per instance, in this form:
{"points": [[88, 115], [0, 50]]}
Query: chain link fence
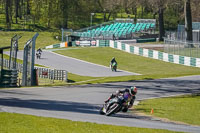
{"points": [[184, 48]]}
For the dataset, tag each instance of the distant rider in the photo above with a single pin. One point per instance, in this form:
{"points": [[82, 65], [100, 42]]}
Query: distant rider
{"points": [[112, 61], [38, 53], [132, 91], [39, 50]]}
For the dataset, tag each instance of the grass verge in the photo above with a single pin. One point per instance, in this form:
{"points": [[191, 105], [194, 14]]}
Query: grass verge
{"points": [[11, 122], [44, 38], [181, 108], [149, 68]]}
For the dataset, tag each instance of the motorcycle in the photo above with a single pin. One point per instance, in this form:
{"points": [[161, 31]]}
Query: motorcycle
{"points": [[116, 104], [114, 66], [38, 55]]}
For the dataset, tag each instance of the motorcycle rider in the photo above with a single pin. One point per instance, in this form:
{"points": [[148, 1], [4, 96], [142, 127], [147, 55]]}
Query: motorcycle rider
{"points": [[39, 50], [38, 53], [132, 91], [112, 61]]}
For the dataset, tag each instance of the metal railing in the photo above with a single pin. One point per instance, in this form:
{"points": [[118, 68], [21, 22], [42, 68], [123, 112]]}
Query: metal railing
{"points": [[45, 73], [184, 48], [182, 35]]}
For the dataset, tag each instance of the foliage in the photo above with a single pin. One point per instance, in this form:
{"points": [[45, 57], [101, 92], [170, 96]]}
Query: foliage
{"points": [[44, 38], [56, 14]]}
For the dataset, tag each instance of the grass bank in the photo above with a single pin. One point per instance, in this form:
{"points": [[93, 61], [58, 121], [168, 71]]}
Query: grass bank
{"points": [[44, 38], [181, 108], [10, 123], [149, 68]]}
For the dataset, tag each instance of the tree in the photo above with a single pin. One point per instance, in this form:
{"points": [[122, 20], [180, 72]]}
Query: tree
{"points": [[7, 11], [160, 6], [188, 20], [16, 10], [110, 7]]}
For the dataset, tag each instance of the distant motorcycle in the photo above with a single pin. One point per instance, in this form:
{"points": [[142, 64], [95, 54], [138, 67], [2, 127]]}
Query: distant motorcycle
{"points": [[114, 66], [115, 105], [38, 55]]}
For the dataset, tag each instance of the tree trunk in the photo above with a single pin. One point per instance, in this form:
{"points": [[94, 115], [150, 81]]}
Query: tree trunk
{"points": [[142, 14], [161, 24], [20, 8], [49, 14], [64, 10], [16, 10], [134, 10], [28, 11], [104, 16], [125, 7], [7, 7], [109, 16], [188, 20], [10, 11]]}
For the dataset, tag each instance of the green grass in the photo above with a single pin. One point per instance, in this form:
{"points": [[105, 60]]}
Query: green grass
{"points": [[159, 42], [190, 52], [44, 38], [182, 108], [17, 123], [149, 68]]}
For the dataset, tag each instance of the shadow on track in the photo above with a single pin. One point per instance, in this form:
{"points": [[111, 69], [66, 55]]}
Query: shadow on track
{"points": [[158, 86], [67, 106], [51, 105]]}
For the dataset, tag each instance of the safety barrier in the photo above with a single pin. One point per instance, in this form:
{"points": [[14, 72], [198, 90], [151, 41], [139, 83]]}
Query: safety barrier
{"points": [[47, 73], [59, 45], [178, 59], [9, 78], [167, 57], [52, 74]]}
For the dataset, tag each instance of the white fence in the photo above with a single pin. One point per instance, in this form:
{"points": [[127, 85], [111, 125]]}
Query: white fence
{"points": [[47, 73], [178, 59]]}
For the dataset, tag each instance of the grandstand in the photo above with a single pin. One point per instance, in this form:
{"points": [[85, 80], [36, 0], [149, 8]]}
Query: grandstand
{"points": [[118, 29]]}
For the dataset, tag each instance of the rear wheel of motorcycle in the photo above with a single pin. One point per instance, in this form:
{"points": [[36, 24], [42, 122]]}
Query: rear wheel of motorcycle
{"points": [[125, 110], [112, 109]]}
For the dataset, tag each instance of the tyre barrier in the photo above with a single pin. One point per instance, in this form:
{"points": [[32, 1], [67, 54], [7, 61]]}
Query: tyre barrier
{"points": [[9, 78]]}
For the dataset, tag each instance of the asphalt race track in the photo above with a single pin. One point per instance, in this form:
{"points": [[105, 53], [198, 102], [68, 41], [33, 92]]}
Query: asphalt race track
{"points": [[82, 103], [75, 66]]}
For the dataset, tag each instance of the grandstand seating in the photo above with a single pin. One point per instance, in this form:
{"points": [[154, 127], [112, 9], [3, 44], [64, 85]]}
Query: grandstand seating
{"points": [[117, 30]]}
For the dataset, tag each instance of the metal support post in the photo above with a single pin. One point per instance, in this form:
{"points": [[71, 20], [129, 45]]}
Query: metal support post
{"points": [[33, 58]]}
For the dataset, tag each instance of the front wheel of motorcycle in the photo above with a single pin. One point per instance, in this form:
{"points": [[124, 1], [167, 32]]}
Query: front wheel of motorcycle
{"points": [[101, 111], [113, 108]]}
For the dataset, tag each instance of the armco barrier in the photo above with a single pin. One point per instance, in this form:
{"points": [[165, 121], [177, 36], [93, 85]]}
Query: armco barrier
{"points": [[146, 40], [59, 45], [177, 59], [104, 43], [80, 43]]}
